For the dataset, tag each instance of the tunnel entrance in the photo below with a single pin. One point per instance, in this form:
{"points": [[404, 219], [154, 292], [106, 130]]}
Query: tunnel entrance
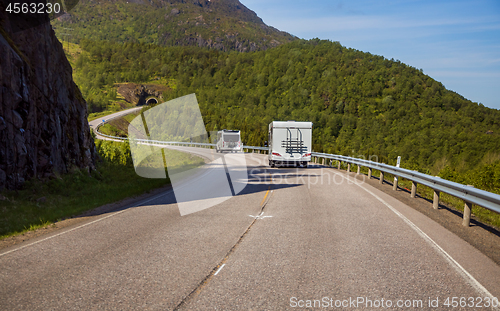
{"points": [[151, 101]]}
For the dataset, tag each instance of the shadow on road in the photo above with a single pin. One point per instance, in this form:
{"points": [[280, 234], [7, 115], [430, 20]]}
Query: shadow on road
{"points": [[259, 180]]}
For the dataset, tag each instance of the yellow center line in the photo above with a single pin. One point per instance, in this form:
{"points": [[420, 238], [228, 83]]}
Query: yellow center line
{"points": [[267, 192], [264, 199]]}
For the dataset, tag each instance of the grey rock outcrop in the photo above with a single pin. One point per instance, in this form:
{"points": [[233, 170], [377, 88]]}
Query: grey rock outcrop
{"points": [[43, 116]]}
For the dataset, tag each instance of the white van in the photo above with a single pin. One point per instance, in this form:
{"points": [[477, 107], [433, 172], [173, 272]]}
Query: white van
{"points": [[290, 143], [228, 140]]}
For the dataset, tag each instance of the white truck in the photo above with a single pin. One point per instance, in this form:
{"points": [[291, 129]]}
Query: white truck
{"points": [[290, 143], [228, 140]]}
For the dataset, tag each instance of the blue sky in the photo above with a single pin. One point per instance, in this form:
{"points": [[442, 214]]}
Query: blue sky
{"points": [[455, 42]]}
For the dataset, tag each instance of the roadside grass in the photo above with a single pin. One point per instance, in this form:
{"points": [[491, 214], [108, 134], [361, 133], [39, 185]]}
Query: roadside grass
{"points": [[119, 126], [41, 203], [111, 128], [484, 215]]}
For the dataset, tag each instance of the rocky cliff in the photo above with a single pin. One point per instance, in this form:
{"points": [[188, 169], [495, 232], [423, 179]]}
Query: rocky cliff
{"points": [[43, 124], [225, 25]]}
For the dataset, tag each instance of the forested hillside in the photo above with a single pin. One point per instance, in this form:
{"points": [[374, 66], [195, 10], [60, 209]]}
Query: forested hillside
{"points": [[219, 24], [361, 104]]}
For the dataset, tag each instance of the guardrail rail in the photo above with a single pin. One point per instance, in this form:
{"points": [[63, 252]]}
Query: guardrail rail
{"points": [[468, 194]]}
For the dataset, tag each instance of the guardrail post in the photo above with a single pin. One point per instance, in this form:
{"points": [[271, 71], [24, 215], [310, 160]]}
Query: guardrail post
{"points": [[395, 184], [369, 173], [413, 189], [348, 167], [381, 179], [340, 162], [359, 170], [435, 202], [467, 212], [323, 161]]}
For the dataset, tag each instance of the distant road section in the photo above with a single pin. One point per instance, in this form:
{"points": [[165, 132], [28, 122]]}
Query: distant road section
{"points": [[94, 123]]}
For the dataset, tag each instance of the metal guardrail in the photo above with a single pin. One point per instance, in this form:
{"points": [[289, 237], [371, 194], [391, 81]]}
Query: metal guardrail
{"points": [[468, 194], [171, 143]]}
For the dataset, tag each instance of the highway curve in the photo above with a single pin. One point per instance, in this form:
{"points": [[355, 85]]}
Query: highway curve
{"points": [[94, 123], [309, 238]]}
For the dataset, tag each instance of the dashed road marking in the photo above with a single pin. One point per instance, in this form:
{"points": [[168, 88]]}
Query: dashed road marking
{"points": [[219, 269]]}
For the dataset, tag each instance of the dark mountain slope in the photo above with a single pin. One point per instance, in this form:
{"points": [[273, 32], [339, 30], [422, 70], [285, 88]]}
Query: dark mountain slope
{"points": [[219, 24]]}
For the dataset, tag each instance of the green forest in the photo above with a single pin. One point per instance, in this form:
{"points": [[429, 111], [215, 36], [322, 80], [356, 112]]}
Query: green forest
{"points": [[361, 104]]}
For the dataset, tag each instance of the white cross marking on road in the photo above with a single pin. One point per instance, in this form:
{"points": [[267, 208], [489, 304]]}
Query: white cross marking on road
{"points": [[260, 216]]}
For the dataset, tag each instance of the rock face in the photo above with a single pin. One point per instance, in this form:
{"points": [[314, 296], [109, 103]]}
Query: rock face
{"points": [[43, 116], [225, 25]]}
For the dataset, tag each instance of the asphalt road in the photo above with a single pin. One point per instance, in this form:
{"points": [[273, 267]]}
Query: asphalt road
{"points": [[290, 238], [94, 123]]}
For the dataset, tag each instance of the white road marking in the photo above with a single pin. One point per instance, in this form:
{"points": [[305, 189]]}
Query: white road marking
{"points": [[84, 225], [219, 269], [260, 216], [460, 270]]}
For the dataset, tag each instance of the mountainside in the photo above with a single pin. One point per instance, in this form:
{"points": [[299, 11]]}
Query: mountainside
{"points": [[43, 116], [218, 24], [360, 103]]}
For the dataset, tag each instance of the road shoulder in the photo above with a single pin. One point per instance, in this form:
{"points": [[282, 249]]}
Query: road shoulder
{"points": [[78, 220], [483, 237]]}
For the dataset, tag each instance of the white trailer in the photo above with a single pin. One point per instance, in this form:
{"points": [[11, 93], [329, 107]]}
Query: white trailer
{"points": [[228, 140], [290, 143]]}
